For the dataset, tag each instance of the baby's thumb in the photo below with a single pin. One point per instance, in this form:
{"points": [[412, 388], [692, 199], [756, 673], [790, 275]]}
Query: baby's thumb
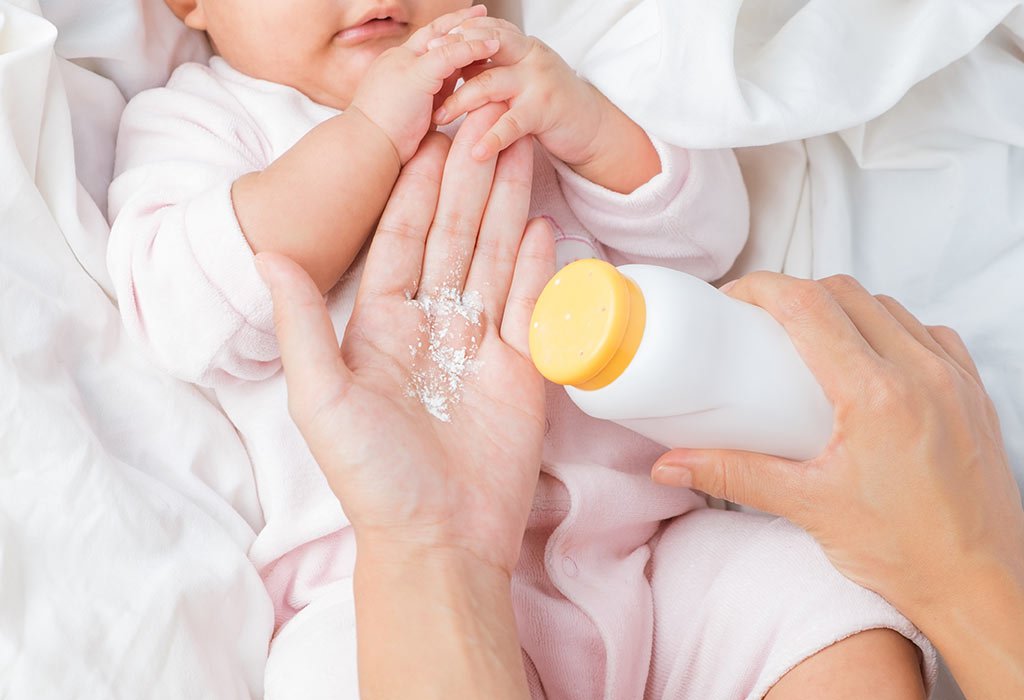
{"points": [[760, 481]]}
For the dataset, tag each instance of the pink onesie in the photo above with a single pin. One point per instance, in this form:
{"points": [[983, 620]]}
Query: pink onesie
{"points": [[625, 589]]}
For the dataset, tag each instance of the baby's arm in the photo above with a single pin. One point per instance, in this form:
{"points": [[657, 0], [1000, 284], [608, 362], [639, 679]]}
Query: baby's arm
{"points": [[186, 286], [181, 263], [645, 200], [319, 201], [693, 215], [570, 117]]}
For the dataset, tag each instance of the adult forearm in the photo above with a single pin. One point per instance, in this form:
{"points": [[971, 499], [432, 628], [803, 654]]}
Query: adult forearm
{"points": [[980, 632], [434, 623], [319, 201]]}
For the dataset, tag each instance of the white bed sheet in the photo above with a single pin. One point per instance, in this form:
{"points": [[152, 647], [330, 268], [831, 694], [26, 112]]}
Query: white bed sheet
{"points": [[126, 499]]}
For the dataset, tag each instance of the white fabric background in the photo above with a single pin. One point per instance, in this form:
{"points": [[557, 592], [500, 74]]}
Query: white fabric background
{"points": [[126, 500]]}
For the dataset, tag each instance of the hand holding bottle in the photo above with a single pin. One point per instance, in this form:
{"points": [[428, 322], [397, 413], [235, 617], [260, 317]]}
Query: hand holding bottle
{"points": [[913, 497]]}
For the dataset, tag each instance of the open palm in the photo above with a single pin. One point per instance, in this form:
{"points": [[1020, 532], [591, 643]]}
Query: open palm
{"points": [[428, 421]]}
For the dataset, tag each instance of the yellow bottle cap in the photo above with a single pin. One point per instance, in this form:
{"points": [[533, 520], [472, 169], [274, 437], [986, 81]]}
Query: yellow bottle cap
{"points": [[587, 325]]}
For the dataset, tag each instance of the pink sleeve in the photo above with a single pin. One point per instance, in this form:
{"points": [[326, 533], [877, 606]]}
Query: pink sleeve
{"points": [[694, 215], [183, 272]]}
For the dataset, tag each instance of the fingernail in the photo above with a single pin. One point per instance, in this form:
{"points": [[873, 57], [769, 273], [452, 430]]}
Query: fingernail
{"points": [[457, 30], [479, 152], [672, 475], [727, 286], [434, 43], [492, 44], [440, 115]]}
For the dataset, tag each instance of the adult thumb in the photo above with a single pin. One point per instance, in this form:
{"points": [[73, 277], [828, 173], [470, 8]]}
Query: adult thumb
{"points": [[757, 480], [309, 348]]}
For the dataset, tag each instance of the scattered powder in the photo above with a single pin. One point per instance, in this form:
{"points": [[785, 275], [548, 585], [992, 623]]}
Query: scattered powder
{"points": [[437, 379]]}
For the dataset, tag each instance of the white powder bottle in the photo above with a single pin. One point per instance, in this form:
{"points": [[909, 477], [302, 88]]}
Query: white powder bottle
{"points": [[669, 356]]}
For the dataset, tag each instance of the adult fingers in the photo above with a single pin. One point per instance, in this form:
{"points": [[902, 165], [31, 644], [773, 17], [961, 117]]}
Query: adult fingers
{"points": [[441, 26], [954, 346], [913, 326], [465, 188], [501, 233], [831, 346], [314, 371], [940, 340], [494, 85], [767, 483], [535, 266], [889, 338], [512, 126], [396, 253]]}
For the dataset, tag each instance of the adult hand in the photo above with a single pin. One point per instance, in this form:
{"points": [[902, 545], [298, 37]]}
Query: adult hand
{"points": [[438, 495], [913, 497], [402, 474]]}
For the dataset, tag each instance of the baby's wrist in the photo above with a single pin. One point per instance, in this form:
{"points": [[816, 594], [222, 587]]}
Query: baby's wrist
{"points": [[587, 117], [617, 155], [375, 133]]}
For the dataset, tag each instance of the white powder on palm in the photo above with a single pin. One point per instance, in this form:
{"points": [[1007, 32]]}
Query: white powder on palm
{"points": [[451, 347]]}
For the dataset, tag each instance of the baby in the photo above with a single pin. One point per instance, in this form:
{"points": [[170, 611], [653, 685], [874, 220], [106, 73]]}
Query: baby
{"points": [[290, 140]]}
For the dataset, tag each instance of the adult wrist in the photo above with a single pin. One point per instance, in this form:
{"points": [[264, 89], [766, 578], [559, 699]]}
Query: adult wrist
{"points": [[977, 589], [977, 628], [440, 614], [398, 549]]}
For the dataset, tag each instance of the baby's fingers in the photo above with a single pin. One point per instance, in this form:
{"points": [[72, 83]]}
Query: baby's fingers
{"points": [[513, 125], [441, 26], [437, 65], [494, 85], [514, 45]]}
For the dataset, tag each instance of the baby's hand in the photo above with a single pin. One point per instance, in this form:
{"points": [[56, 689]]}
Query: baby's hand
{"points": [[399, 89], [545, 96]]}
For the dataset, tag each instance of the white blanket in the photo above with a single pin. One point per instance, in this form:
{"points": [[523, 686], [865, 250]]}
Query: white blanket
{"points": [[126, 499]]}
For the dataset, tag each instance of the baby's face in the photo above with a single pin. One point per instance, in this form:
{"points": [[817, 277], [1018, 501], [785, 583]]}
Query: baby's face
{"points": [[320, 47]]}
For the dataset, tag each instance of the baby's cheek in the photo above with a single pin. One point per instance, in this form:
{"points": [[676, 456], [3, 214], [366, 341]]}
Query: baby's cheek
{"points": [[348, 72]]}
